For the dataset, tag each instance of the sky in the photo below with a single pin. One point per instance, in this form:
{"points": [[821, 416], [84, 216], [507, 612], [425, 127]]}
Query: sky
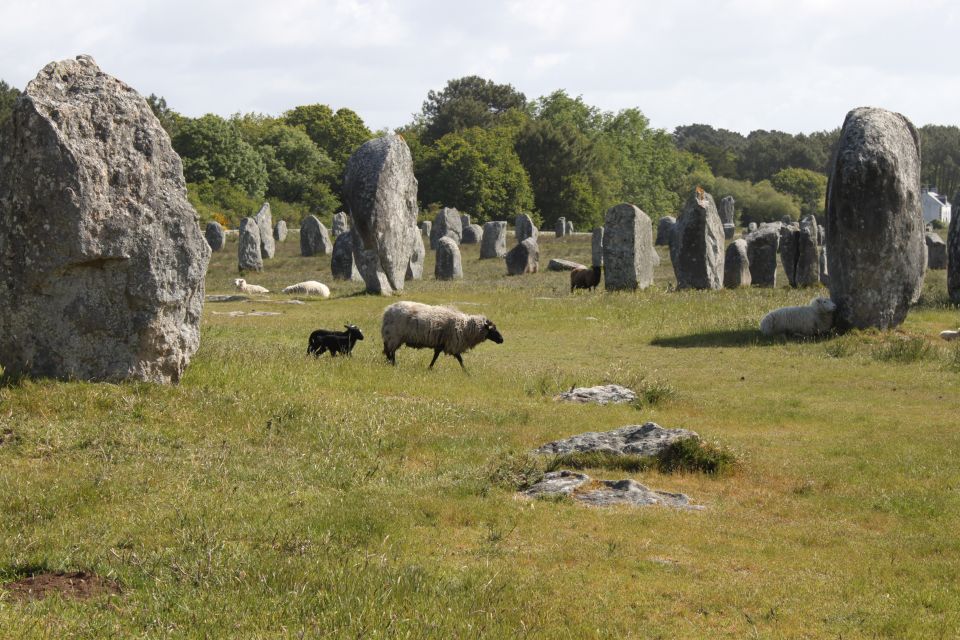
{"points": [[795, 66]]}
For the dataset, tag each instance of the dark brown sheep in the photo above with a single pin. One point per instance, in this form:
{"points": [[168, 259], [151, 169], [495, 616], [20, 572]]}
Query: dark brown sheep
{"points": [[584, 278]]}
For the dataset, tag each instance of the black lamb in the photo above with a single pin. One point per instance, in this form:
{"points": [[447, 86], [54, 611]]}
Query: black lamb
{"points": [[583, 278], [323, 340]]}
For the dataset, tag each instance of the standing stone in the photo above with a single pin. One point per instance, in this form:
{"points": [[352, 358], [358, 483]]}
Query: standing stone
{"points": [[696, 248], [736, 265], [728, 231], [448, 265], [560, 229], [493, 243], [874, 220], [525, 228], [280, 231], [215, 236], [751, 227], [341, 260], [415, 268], [936, 251], [627, 248], [787, 220], [381, 194], [447, 224], [472, 234], [425, 228], [762, 246], [824, 271], [464, 220], [596, 247], [799, 252], [821, 235], [726, 210], [953, 255], [249, 248], [341, 224], [264, 220], [569, 227], [664, 230], [523, 258], [102, 260], [314, 238]]}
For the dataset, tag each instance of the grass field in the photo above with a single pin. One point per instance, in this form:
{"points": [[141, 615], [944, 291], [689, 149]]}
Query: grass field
{"points": [[271, 495]]}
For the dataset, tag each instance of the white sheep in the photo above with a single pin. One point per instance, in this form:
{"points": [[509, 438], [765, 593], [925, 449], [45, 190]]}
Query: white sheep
{"points": [[950, 334], [442, 329], [243, 287], [816, 317], [309, 288]]}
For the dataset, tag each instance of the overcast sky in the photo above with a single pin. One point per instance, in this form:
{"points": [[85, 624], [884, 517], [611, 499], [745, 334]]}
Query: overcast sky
{"points": [[796, 65]]}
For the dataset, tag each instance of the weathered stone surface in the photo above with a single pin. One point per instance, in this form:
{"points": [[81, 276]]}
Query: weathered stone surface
{"points": [[726, 210], [249, 247], [381, 195], [472, 233], [341, 224], [559, 264], [523, 258], [762, 246], [560, 228], [874, 220], [596, 247], [729, 231], [415, 268], [824, 271], [787, 220], [953, 255], [799, 253], [627, 248], [425, 228], [447, 224], [609, 492], [280, 231], [264, 220], [936, 251], [736, 265], [665, 230], [603, 394], [102, 259], [525, 228], [647, 439], [448, 265], [751, 227], [314, 238], [569, 227], [494, 240], [696, 246], [341, 260], [464, 220], [215, 236]]}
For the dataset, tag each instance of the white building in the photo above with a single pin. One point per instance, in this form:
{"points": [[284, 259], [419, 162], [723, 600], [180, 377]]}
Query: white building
{"points": [[935, 206]]}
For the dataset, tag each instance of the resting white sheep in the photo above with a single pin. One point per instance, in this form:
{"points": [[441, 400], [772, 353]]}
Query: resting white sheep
{"points": [[309, 288], [816, 317], [243, 287], [442, 329]]}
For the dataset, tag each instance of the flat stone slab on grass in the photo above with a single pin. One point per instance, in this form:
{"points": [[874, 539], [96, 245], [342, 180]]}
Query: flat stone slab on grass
{"points": [[647, 439], [604, 394], [603, 493]]}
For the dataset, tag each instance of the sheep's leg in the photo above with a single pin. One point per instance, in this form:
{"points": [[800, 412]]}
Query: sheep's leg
{"points": [[391, 356], [436, 354], [460, 360]]}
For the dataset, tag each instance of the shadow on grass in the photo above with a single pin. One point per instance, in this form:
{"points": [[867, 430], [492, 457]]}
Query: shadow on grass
{"points": [[732, 338]]}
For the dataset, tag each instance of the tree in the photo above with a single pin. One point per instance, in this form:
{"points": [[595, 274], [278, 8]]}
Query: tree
{"points": [[8, 96], [213, 148], [808, 187], [169, 119], [940, 155], [721, 148], [756, 202], [767, 152], [467, 102]]}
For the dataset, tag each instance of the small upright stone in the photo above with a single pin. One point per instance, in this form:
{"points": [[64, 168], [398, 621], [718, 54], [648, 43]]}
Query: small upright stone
{"points": [[726, 210], [736, 265], [249, 253], [215, 236], [342, 265], [596, 247], [627, 248], [280, 231], [447, 224], [494, 241], [762, 247], [525, 228], [264, 220], [448, 265], [314, 239], [472, 234], [664, 230], [341, 224], [560, 229], [569, 227], [799, 252], [751, 227], [415, 268], [936, 251], [728, 231], [523, 258], [425, 228], [696, 248], [824, 271]]}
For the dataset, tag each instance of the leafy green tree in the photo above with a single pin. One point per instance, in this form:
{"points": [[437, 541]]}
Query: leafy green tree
{"points": [[767, 152], [213, 148], [721, 148], [8, 96], [337, 134], [467, 102], [169, 119], [808, 187], [756, 202], [940, 155]]}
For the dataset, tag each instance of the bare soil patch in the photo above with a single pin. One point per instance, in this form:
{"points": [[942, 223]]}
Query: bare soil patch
{"points": [[78, 585]]}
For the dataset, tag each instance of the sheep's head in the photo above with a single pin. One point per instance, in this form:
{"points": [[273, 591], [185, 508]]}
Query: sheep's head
{"points": [[824, 305], [354, 331], [492, 333], [239, 283]]}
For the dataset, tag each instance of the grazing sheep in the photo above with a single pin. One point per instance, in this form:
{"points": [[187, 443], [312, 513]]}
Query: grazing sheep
{"points": [[323, 340], [584, 278], [816, 317], [243, 287], [950, 334], [442, 329], [309, 288]]}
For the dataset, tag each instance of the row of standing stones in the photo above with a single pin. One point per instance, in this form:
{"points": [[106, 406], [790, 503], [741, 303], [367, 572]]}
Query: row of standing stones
{"points": [[109, 284]]}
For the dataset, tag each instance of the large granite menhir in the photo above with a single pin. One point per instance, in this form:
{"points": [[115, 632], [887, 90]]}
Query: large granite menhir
{"points": [[381, 194], [697, 244], [876, 250], [628, 253], [103, 260]]}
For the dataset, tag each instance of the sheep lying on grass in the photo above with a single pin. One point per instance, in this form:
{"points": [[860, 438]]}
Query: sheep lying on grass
{"points": [[584, 278], [243, 287], [813, 319], [309, 288], [323, 340], [442, 329]]}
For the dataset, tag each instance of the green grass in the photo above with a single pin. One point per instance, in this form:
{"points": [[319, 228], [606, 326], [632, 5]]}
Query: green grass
{"points": [[271, 495]]}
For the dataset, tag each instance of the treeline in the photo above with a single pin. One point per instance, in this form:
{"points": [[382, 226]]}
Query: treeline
{"points": [[487, 150]]}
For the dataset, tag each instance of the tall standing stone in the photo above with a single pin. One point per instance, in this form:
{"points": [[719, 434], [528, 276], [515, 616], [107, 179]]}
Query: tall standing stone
{"points": [[953, 255], [874, 220], [314, 238], [472, 234], [936, 251], [525, 228], [627, 248], [560, 228], [726, 210], [762, 246], [493, 243], [569, 227], [249, 247], [736, 265], [523, 258], [102, 260], [448, 265], [342, 265], [696, 248], [799, 252], [447, 224], [215, 236], [596, 247], [280, 231], [664, 230], [415, 268], [341, 224], [264, 220]]}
